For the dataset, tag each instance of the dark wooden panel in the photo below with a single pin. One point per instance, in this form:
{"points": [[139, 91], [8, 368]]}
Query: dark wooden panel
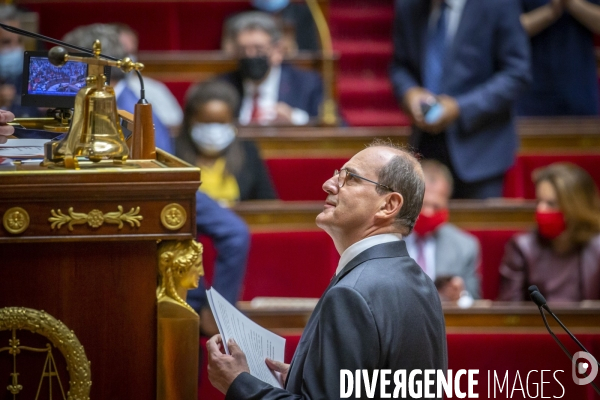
{"points": [[283, 314], [195, 66], [275, 215], [551, 134], [106, 293]]}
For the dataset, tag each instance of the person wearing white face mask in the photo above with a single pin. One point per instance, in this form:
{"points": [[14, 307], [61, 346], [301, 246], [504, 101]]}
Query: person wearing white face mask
{"points": [[232, 170]]}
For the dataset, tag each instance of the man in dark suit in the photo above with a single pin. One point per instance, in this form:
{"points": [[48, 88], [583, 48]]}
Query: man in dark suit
{"points": [[272, 91], [471, 57], [380, 311]]}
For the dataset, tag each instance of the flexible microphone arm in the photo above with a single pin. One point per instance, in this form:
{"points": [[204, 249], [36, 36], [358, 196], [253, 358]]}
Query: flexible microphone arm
{"points": [[48, 39], [540, 301]]}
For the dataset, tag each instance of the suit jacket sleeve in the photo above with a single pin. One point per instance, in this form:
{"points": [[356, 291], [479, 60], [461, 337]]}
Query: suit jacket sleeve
{"points": [[512, 273], [346, 338], [513, 75], [403, 71]]}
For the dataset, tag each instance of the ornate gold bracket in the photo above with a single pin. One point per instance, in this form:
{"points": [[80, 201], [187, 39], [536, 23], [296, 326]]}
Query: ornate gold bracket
{"points": [[16, 318], [95, 218]]}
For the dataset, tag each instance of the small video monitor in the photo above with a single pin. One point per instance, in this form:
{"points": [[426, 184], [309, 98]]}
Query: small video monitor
{"points": [[45, 85]]}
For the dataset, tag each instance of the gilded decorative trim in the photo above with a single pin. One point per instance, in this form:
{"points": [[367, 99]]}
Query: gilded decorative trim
{"points": [[95, 218], [15, 220], [61, 337], [173, 216]]}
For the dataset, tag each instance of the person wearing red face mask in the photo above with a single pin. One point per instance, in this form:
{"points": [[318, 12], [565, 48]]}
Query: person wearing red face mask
{"points": [[562, 256], [448, 255]]}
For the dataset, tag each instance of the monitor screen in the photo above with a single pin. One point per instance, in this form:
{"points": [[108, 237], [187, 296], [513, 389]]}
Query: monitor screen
{"points": [[48, 80], [45, 85]]}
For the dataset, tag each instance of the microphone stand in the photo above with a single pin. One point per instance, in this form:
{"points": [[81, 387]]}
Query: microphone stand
{"points": [[540, 301]]}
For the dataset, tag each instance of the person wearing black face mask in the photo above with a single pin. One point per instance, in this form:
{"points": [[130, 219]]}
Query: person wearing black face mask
{"points": [[272, 92]]}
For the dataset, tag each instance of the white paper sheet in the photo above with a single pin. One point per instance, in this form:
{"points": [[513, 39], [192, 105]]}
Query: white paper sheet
{"points": [[254, 340], [23, 148]]}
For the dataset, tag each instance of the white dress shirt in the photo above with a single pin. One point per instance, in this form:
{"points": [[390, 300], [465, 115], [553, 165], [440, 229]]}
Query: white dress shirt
{"points": [[363, 245], [268, 96]]}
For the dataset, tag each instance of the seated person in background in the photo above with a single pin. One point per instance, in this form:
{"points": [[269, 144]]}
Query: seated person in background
{"points": [[446, 253], [11, 65], [272, 92], [562, 257], [563, 57], [232, 169], [299, 29], [164, 104], [127, 98]]}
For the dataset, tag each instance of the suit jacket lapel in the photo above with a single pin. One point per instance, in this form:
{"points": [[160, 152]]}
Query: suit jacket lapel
{"points": [[284, 85]]}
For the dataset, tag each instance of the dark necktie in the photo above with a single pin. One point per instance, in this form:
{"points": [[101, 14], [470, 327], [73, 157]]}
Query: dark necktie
{"points": [[435, 52]]}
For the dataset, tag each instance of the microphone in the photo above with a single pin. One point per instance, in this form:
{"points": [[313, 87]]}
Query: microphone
{"points": [[540, 301], [537, 297], [56, 54]]}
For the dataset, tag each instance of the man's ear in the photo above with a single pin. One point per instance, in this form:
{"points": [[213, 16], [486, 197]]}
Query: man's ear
{"points": [[391, 206]]}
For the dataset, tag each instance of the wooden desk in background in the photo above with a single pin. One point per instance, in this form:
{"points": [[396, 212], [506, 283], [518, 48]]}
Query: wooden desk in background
{"points": [[285, 315], [276, 215], [196, 66], [559, 134]]}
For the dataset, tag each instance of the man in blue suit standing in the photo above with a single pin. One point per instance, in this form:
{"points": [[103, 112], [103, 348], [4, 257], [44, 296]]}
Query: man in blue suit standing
{"points": [[271, 91], [458, 68]]}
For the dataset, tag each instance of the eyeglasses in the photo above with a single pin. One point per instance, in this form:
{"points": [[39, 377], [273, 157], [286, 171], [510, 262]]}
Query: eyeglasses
{"points": [[343, 174]]}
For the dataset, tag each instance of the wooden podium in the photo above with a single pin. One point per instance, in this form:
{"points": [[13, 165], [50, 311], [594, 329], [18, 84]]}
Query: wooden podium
{"points": [[81, 245]]}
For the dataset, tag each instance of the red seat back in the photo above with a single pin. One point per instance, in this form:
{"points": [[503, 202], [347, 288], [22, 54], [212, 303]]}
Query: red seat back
{"points": [[517, 181], [302, 178], [161, 25], [492, 244]]}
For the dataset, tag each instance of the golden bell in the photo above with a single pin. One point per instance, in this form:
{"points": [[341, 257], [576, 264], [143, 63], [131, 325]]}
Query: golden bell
{"points": [[95, 132]]}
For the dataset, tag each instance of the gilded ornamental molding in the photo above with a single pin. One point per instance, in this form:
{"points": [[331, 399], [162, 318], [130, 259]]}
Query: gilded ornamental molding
{"points": [[95, 218]]}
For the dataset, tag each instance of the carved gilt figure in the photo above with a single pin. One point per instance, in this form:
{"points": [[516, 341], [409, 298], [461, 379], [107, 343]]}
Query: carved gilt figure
{"points": [[180, 268]]}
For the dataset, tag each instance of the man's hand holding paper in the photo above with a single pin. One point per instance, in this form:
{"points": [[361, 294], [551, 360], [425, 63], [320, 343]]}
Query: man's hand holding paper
{"points": [[224, 368]]}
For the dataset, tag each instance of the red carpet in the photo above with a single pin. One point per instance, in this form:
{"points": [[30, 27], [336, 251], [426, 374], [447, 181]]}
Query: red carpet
{"points": [[362, 35]]}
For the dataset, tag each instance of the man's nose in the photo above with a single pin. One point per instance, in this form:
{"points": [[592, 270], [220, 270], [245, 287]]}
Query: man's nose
{"points": [[331, 185]]}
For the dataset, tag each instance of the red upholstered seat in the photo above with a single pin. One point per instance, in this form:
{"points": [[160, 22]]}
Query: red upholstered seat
{"points": [[302, 178], [162, 25], [300, 264], [283, 264], [289, 264], [492, 244], [179, 89], [517, 182]]}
